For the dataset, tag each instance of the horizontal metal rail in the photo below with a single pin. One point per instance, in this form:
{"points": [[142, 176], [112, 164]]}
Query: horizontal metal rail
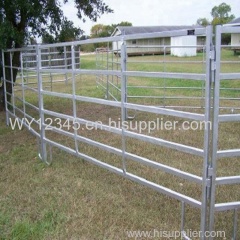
{"points": [[228, 180], [219, 207], [167, 75], [198, 32], [228, 153], [153, 140], [165, 46], [229, 118], [83, 99], [134, 157], [191, 201], [229, 29], [229, 76], [164, 111]]}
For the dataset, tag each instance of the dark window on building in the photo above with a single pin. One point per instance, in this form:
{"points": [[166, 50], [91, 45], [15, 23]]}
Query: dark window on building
{"points": [[134, 41]]}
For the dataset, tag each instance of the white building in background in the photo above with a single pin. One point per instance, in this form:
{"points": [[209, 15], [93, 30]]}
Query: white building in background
{"points": [[159, 45], [235, 37], [184, 46]]}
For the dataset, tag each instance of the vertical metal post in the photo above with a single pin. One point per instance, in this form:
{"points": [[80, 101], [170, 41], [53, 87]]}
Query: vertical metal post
{"points": [[182, 217], [164, 70], [203, 85], [96, 61], [74, 95], [235, 224], [12, 93], [65, 63], [102, 66], [43, 147], [123, 100], [23, 86], [117, 60], [216, 104], [207, 131], [26, 67], [124, 80], [107, 87], [5, 89], [79, 57], [50, 66], [112, 59]]}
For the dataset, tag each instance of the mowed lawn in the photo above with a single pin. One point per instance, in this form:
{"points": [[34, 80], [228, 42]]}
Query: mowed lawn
{"points": [[73, 199]]}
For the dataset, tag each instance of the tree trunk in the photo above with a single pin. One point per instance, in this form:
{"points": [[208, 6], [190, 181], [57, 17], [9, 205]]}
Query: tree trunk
{"points": [[10, 75]]}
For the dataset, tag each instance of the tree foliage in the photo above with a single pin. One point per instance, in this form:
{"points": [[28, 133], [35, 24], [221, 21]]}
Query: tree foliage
{"points": [[22, 19], [203, 22], [19, 17], [48, 38], [100, 30], [68, 32], [221, 14], [121, 24]]}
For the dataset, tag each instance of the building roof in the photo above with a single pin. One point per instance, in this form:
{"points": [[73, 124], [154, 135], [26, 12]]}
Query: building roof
{"points": [[128, 30], [236, 21]]}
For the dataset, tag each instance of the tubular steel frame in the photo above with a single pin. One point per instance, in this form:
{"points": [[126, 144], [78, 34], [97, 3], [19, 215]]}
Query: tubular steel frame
{"points": [[211, 77]]}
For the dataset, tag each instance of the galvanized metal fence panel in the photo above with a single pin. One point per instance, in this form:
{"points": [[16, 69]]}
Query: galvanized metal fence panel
{"points": [[114, 74]]}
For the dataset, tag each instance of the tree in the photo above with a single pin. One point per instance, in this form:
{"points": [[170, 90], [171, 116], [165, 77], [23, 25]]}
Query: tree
{"points": [[18, 18], [203, 22], [222, 14], [48, 38], [68, 32], [99, 30], [121, 24]]}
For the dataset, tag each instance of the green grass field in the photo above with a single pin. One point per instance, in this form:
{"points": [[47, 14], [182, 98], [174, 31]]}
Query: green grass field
{"points": [[73, 199]]}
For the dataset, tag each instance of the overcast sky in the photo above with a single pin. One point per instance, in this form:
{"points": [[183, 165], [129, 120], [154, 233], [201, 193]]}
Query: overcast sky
{"points": [[152, 12]]}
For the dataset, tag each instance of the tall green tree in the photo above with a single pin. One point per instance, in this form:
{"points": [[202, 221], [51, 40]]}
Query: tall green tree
{"points": [[221, 14], [18, 18]]}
